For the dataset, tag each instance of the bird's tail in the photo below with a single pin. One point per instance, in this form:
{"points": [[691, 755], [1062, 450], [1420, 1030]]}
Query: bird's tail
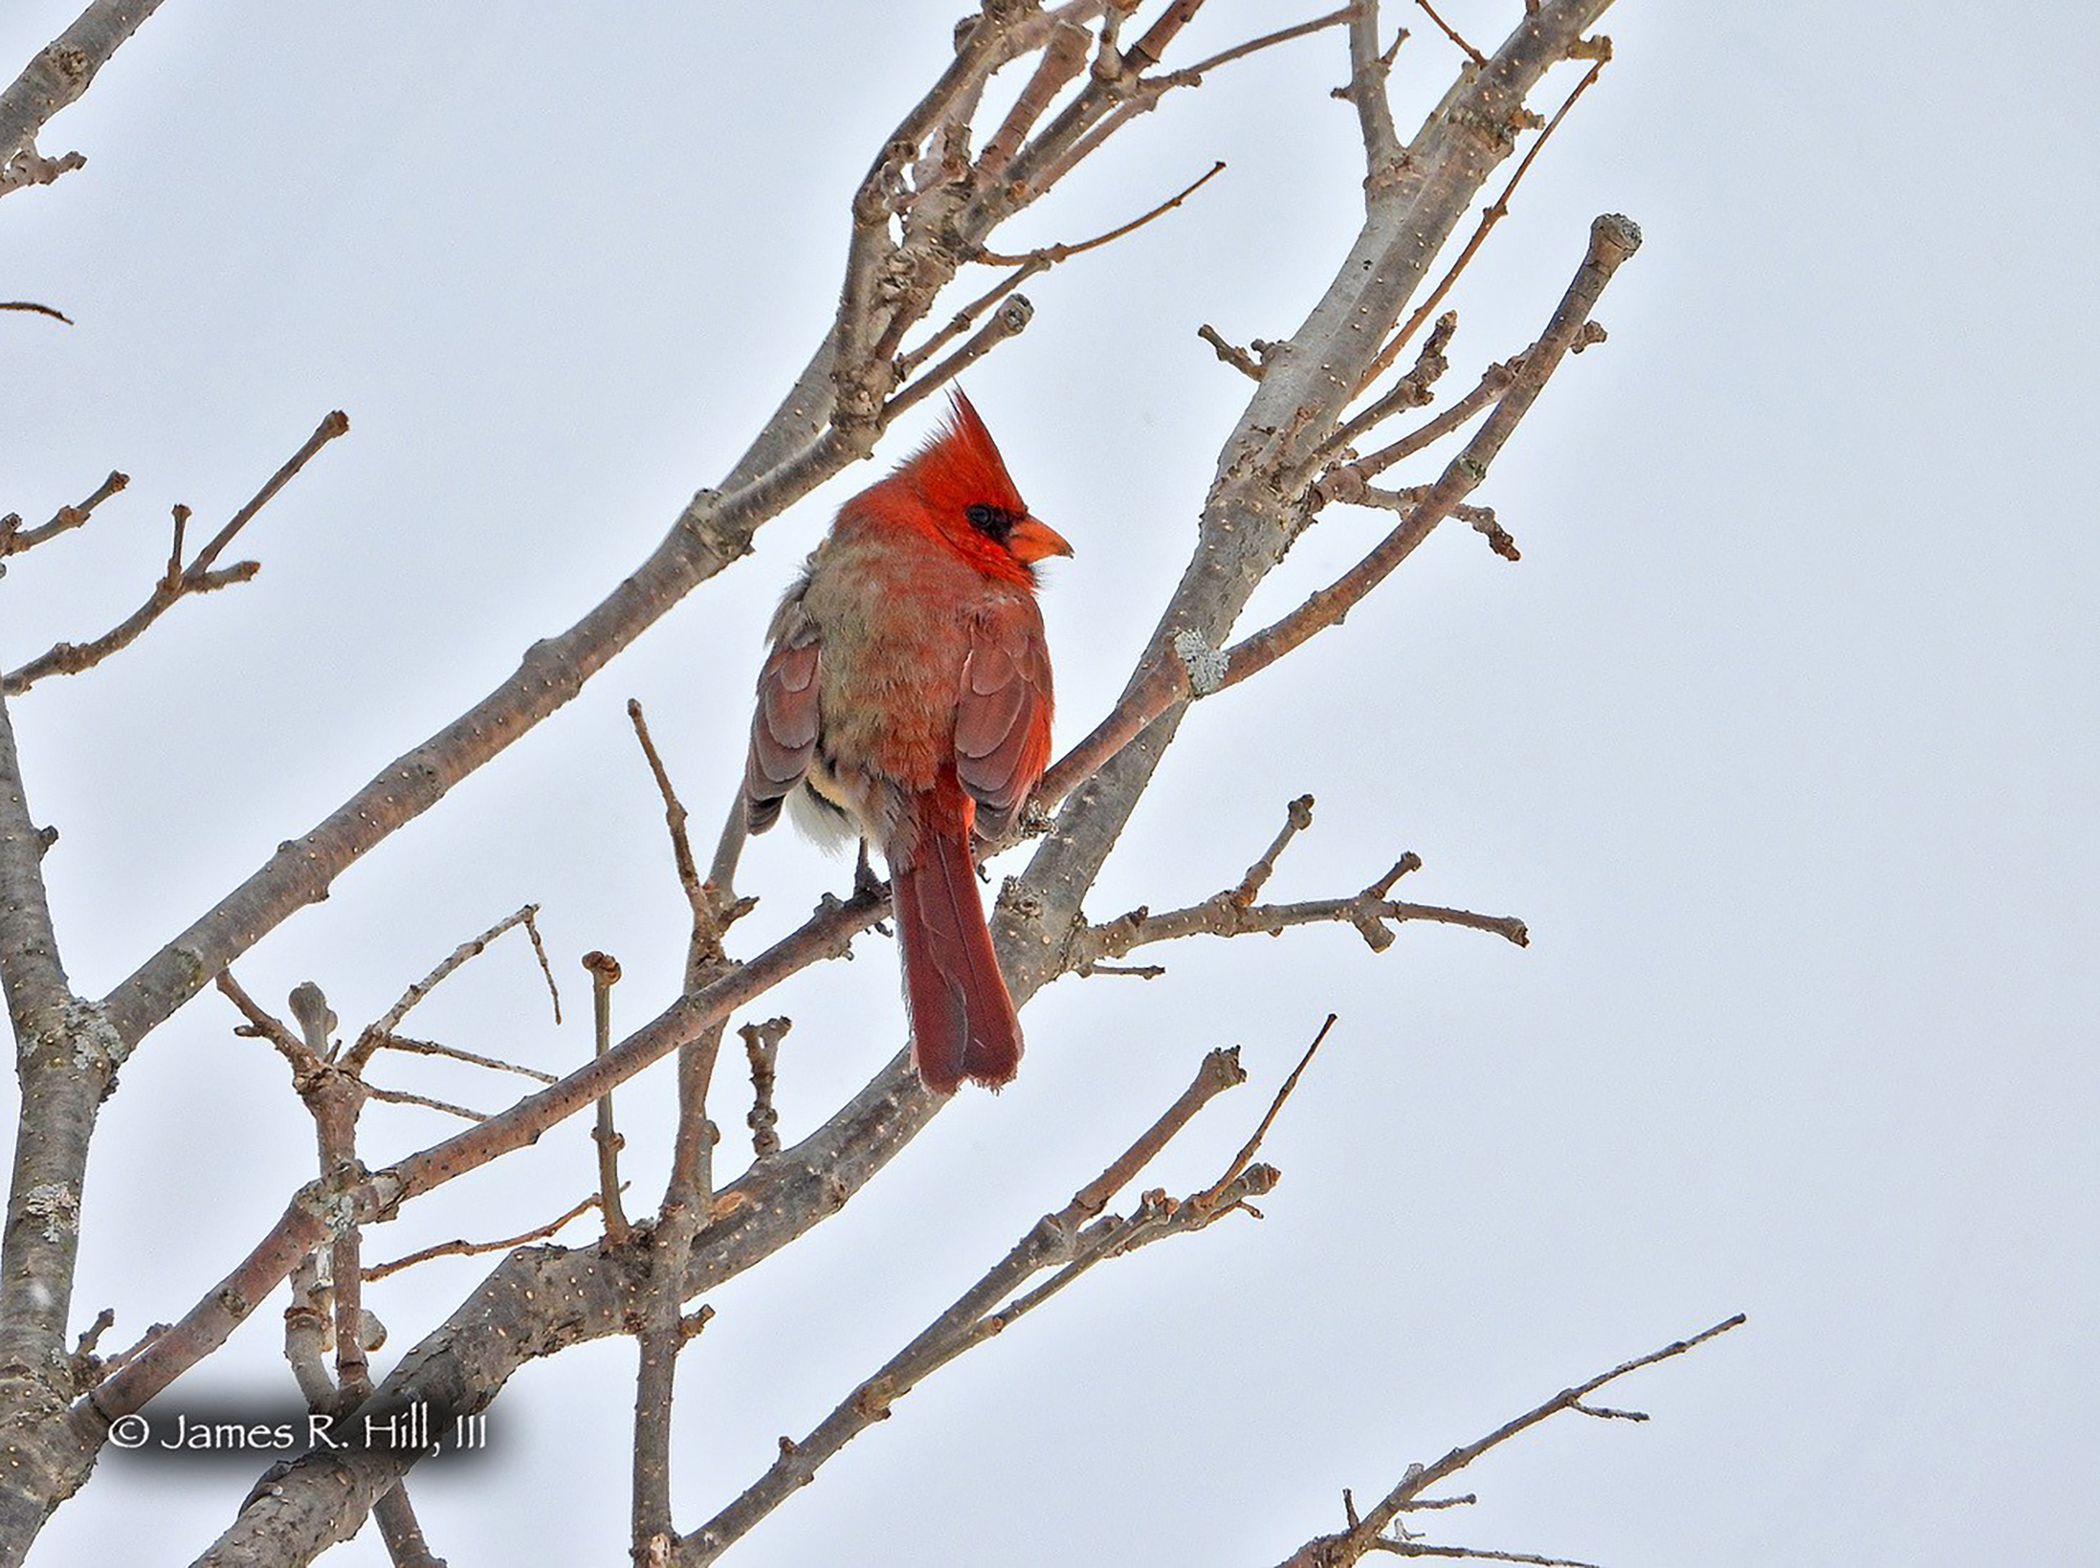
{"points": [[963, 1023]]}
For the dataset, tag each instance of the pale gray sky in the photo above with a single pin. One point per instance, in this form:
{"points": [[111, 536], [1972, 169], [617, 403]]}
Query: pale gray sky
{"points": [[1780, 737]]}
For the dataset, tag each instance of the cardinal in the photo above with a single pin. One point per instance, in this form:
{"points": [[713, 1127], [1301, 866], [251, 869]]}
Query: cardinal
{"points": [[906, 697]]}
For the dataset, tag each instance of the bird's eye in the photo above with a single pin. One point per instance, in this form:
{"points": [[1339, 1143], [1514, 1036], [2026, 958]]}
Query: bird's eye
{"points": [[993, 522]]}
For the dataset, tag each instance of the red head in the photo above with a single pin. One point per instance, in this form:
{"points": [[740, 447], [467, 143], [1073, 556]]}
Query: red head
{"points": [[965, 493]]}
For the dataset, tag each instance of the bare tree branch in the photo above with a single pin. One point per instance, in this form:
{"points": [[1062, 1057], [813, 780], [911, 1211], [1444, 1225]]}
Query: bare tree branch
{"points": [[1052, 254], [1368, 68], [467, 1249], [65, 1059], [1167, 680], [384, 1030], [1233, 912], [1261, 499], [1451, 33], [178, 582], [57, 76], [14, 538], [1367, 1534], [605, 973], [1072, 1237], [1142, 95], [1494, 213], [31, 306], [1230, 353], [1612, 240]]}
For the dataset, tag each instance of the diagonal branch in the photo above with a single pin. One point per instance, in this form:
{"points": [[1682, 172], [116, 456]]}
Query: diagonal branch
{"points": [[1494, 213], [1612, 240], [378, 1195], [1144, 94], [14, 538], [57, 76], [1367, 1534], [538, 1301], [1050, 255], [1073, 1237], [201, 575], [462, 1248], [1194, 667], [384, 1030]]}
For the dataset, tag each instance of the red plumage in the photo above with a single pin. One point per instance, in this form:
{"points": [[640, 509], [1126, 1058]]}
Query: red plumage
{"points": [[907, 693]]}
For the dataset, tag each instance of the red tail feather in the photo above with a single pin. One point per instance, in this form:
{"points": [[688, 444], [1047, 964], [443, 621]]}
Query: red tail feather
{"points": [[962, 1019]]}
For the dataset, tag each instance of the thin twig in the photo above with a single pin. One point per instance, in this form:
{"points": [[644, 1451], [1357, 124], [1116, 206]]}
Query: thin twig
{"points": [[1366, 1534], [14, 538], [605, 974], [1413, 390], [1252, 1146], [1481, 519], [1070, 1237], [1297, 818], [1011, 320], [1400, 1548], [467, 1249], [1050, 255], [414, 1047], [1144, 95], [1494, 381], [200, 576], [715, 908], [409, 1097], [1494, 213], [963, 319], [539, 951], [34, 308], [264, 1025], [384, 1028], [1451, 33], [1230, 353], [674, 818], [1233, 912]]}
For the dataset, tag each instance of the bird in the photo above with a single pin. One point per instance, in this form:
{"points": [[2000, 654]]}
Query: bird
{"points": [[906, 696]]}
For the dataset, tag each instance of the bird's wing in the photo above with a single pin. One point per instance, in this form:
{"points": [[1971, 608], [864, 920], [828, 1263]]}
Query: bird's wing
{"points": [[1002, 714], [784, 725]]}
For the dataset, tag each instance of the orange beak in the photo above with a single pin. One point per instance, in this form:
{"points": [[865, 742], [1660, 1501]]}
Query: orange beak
{"points": [[1032, 539]]}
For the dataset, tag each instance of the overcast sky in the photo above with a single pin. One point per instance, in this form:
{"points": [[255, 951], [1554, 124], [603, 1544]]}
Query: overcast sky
{"points": [[1781, 738]]}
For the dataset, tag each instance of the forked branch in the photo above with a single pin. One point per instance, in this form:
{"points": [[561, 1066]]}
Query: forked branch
{"points": [[179, 581], [1366, 1534], [1070, 1241], [1234, 912]]}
